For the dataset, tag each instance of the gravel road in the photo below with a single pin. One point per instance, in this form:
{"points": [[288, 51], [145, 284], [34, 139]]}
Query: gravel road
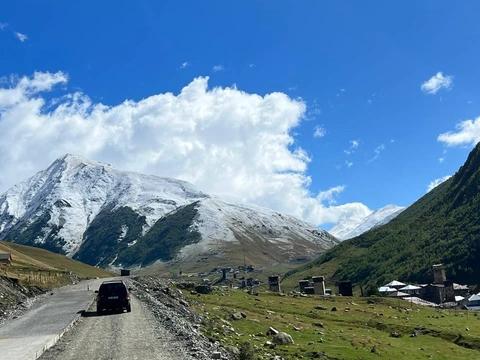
{"points": [[116, 336]]}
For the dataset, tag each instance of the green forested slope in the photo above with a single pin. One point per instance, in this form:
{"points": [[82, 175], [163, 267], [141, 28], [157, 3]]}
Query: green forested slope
{"points": [[441, 227]]}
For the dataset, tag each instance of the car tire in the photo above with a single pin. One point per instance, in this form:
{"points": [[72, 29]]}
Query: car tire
{"points": [[129, 308]]}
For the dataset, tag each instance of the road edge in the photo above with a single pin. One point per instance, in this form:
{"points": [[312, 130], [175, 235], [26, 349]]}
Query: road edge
{"points": [[64, 331]]}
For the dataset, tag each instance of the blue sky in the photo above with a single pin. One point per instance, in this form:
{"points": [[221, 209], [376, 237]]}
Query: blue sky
{"points": [[358, 66]]}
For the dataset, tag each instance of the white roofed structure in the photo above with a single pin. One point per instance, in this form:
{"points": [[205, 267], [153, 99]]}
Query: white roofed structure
{"points": [[395, 284], [410, 287], [386, 289], [418, 301], [399, 294]]}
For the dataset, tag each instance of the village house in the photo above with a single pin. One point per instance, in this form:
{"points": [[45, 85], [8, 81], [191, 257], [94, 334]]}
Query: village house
{"points": [[5, 258]]}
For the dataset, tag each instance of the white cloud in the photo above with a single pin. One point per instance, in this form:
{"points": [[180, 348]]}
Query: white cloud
{"points": [[348, 163], [3, 26], [330, 194], [21, 37], [217, 68], [226, 141], [436, 182], [354, 144], [184, 65], [437, 82], [319, 132], [467, 133], [376, 152]]}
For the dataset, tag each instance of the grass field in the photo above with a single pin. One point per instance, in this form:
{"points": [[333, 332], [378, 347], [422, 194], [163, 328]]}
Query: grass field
{"points": [[44, 268], [360, 328]]}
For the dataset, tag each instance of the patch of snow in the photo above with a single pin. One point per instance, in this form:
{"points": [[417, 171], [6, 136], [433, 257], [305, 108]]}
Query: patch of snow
{"points": [[123, 233]]}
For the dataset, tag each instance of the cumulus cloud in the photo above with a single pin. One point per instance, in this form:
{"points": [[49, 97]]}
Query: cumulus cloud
{"points": [[330, 194], [184, 65], [228, 142], [467, 133], [436, 83], [21, 37], [319, 132], [433, 184]]}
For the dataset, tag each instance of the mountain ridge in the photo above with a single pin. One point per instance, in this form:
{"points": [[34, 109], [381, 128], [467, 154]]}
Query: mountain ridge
{"points": [[106, 217]]}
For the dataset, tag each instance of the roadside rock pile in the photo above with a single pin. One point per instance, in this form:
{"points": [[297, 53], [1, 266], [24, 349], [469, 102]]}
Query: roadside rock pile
{"points": [[171, 309], [15, 298]]}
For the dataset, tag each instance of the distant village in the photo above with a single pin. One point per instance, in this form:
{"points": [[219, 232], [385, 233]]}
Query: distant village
{"points": [[440, 293]]}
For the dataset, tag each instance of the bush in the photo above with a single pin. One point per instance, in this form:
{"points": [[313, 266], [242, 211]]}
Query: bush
{"points": [[247, 352]]}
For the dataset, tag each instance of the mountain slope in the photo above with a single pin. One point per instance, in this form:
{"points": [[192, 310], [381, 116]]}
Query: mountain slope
{"points": [[377, 218], [106, 217], [441, 227], [27, 258]]}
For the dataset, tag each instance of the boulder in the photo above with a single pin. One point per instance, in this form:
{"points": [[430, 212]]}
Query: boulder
{"points": [[236, 316], [282, 338]]}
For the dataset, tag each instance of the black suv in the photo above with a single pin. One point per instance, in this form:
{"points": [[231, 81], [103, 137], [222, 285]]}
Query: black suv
{"points": [[113, 296]]}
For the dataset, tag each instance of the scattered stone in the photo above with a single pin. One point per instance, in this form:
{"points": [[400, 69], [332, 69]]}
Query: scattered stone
{"points": [[272, 331], [334, 308], [216, 355], [395, 334], [236, 316], [282, 338], [233, 350]]}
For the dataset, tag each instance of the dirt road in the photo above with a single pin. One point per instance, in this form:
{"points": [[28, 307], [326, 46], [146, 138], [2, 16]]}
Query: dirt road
{"points": [[131, 336]]}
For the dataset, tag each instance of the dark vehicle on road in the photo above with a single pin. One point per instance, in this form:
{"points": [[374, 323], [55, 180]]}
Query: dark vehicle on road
{"points": [[113, 296]]}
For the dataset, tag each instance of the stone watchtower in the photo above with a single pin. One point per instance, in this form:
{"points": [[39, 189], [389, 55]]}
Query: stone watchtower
{"points": [[439, 276], [274, 283], [319, 285]]}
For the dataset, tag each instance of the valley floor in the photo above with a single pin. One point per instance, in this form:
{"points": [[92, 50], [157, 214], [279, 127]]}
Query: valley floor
{"points": [[338, 328]]}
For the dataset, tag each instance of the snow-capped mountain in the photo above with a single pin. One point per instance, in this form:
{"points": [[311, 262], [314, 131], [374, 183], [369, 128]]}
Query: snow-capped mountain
{"points": [[348, 229], [103, 216]]}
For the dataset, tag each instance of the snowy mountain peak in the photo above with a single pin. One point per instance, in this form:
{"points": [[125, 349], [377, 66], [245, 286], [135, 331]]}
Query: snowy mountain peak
{"points": [[97, 213], [353, 227]]}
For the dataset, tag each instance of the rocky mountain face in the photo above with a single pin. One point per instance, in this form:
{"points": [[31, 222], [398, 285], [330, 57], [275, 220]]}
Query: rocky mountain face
{"points": [[441, 227], [349, 229], [107, 217]]}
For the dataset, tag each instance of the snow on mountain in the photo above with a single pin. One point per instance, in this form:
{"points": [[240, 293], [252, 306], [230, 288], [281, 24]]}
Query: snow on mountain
{"points": [[94, 212], [74, 190], [221, 220], [353, 227]]}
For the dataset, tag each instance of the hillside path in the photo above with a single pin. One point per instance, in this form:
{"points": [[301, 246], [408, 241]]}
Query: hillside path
{"points": [[28, 336]]}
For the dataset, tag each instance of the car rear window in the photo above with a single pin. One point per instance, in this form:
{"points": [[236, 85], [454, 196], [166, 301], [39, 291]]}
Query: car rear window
{"points": [[113, 289]]}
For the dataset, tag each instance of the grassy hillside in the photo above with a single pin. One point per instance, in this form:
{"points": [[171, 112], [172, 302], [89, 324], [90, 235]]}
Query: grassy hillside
{"points": [[441, 227], [42, 267], [360, 328]]}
